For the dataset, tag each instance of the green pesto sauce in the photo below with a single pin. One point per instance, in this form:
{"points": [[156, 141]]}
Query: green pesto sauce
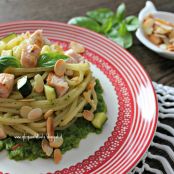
{"points": [[72, 136]]}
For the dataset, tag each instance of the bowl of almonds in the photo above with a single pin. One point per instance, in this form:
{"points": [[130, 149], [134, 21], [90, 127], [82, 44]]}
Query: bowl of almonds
{"points": [[156, 30]]}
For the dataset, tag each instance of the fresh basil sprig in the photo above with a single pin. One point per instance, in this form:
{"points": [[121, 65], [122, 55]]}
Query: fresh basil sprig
{"points": [[7, 62], [86, 23], [49, 59], [100, 14], [114, 25]]}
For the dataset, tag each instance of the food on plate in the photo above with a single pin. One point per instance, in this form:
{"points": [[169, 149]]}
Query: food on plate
{"points": [[159, 32], [48, 92]]}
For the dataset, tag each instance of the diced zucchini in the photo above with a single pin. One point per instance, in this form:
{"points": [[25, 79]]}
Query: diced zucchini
{"points": [[11, 36], [99, 120], [54, 48], [14, 42], [24, 86], [2, 46], [6, 53], [49, 92], [17, 52], [45, 49]]}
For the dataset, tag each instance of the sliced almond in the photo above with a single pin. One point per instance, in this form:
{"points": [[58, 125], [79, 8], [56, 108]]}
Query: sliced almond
{"points": [[171, 41], [170, 47], [166, 26], [58, 141], [35, 114], [49, 113], [166, 41], [78, 48], [2, 132], [46, 148], [160, 35], [50, 129], [57, 156], [171, 35], [25, 110], [88, 115], [160, 30], [163, 22], [38, 83], [148, 26], [154, 39], [60, 68]]}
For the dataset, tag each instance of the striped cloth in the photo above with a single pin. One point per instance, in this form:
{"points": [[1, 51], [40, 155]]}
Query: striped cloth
{"points": [[159, 159]]}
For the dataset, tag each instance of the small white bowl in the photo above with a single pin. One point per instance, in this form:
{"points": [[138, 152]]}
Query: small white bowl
{"points": [[150, 9]]}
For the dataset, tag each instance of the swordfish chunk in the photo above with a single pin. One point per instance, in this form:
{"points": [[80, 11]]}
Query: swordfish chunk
{"points": [[6, 84]]}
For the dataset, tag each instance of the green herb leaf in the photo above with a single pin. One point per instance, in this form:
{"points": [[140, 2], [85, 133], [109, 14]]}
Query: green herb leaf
{"points": [[106, 27], [29, 150], [8, 61], [49, 59], [132, 23], [100, 14], [125, 41], [128, 40], [119, 40], [101, 106], [113, 25], [98, 87], [121, 37], [114, 35], [122, 29], [120, 13], [86, 23]]}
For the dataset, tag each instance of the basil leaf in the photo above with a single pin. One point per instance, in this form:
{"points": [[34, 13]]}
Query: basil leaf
{"points": [[112, 25], [114, 36], [8, 61], [49, 59], [120, 13], [122, 29], [106, 27], [100, 14], [132, 23], [128, 40], [86, 23], [119, 40], [125, 40]]}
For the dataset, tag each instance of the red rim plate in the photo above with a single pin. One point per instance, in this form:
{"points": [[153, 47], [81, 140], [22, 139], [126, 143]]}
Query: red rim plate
{"points": [[138, 108]]}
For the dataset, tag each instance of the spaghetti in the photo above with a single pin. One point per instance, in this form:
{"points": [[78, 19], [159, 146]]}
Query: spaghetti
{"points": [[45, 88]]}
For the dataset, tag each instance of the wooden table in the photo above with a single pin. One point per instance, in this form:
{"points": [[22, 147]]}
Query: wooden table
{"points": [[160, 69]]}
